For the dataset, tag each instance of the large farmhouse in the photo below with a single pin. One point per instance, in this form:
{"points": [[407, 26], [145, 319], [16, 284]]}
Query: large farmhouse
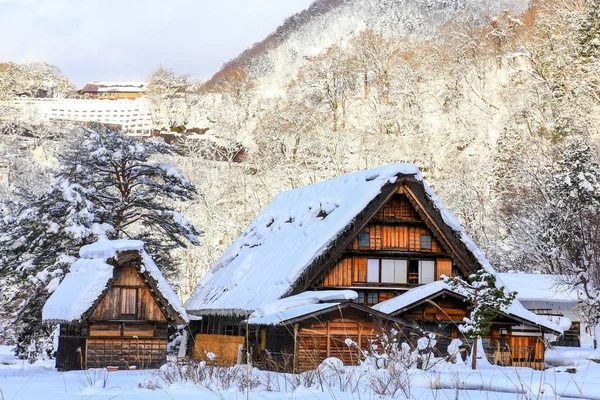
{"points": [[327, 261], [114, 308]]}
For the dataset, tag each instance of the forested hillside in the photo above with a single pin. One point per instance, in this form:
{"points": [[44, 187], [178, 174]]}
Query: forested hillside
{"points": [[497, 102]]}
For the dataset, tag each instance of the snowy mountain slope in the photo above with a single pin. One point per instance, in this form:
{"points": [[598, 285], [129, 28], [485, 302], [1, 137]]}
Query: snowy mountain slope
{"points": [[277, 58]]}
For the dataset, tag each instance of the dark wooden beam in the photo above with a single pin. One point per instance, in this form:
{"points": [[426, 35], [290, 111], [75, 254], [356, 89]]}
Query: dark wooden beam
{"points": [[397, 221], [396, 253]]}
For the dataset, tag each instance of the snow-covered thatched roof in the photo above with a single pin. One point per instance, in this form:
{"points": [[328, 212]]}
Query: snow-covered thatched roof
{"points": [[540, 287], [269, 257], [302, 230], [419, 294], [90, 275]]}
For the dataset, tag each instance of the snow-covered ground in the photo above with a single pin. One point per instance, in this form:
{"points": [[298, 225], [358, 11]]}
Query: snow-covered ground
{"points": [[20, 380]]}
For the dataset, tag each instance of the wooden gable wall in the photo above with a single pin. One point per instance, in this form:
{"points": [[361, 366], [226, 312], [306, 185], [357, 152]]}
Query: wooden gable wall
{"points": [[395, 233], [127, 286]]}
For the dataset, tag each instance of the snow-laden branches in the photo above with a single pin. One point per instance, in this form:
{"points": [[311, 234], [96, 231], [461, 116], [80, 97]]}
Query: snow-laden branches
{"points": [[107, 185]]}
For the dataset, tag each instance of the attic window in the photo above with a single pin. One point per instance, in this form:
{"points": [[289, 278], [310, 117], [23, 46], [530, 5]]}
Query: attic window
{"points": [[364, 239], [128, 301], [425, 242]]}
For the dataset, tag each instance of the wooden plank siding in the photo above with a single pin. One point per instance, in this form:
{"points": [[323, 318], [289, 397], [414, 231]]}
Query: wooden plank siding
{"points": [[110, 306], [352, 271], [226, 348], [320, 340], [126, 352], [398, 207], [396, 237]]}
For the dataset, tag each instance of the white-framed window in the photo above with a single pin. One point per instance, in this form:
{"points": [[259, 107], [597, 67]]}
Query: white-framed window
{"points": [[372, 270], [426, 271], [394, 271]]}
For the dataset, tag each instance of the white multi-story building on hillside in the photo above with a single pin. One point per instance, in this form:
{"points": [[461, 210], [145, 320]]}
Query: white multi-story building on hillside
{"points": [[132, 115]]}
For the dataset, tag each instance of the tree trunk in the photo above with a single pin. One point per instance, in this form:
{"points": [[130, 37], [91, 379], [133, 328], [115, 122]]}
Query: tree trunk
{"points": [[474, 353]]}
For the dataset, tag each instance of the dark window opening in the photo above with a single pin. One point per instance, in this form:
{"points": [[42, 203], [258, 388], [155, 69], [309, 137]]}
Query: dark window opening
{"points": [[364, 239], [413, 272], [230, 330], [425, 242]]}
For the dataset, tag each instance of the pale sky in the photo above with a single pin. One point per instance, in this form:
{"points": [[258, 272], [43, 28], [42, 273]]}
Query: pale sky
{"points": [[127, 39]]}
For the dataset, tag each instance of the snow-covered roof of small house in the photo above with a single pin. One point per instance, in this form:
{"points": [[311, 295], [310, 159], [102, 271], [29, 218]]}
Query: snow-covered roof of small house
{"points": [[285, 239], [299, 305], [114, 86], [421, 293], [89, 276], [539, 287]]}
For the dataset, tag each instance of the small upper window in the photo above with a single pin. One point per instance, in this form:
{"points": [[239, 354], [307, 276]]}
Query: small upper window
{"points": [[364, 239], [426, 242]]}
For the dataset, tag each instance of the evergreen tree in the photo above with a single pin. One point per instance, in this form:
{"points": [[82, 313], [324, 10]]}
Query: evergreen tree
{"points": [[572, 224], [108, 185], [486, 301], [589, 32]]}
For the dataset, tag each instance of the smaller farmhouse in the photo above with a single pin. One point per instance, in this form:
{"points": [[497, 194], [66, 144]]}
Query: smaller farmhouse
{"points": [[515, 338], [550, 296], [114, 308]]}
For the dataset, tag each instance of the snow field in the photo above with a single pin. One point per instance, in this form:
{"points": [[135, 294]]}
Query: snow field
{"points": [[20, 380]]}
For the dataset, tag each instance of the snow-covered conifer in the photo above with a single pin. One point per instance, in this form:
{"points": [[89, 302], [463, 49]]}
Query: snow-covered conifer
{"points": [[486, 301], [108, 185]]}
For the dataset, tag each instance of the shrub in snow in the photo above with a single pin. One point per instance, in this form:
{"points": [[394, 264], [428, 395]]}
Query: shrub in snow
{"points": [[425, 352], [93, 377], [332, 365], [454, 350], [384, 351], [211, 377]]}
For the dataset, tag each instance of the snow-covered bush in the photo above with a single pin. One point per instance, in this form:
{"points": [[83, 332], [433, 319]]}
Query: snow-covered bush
{"points": [[94, 377], [211, 377], [425, 352]]}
